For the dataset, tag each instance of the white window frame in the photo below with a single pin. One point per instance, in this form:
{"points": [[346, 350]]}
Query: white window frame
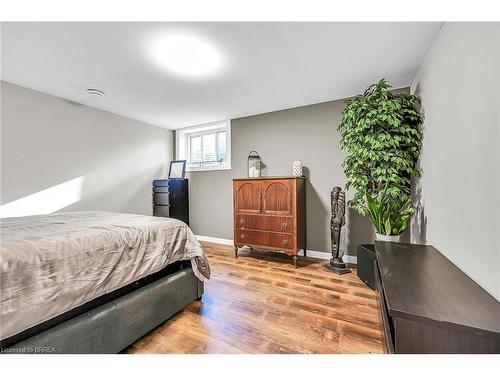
{"points": [[183, 144]]}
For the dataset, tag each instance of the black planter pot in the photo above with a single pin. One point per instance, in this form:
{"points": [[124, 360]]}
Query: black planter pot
{"points": [[366, 257]]}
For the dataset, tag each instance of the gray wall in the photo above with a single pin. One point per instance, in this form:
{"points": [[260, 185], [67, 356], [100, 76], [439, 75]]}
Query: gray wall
{"points": [[46, 141], [306, 133], [458, 194]]}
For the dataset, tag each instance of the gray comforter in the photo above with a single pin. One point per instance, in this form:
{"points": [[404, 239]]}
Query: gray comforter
{"points": [[51, 264]]}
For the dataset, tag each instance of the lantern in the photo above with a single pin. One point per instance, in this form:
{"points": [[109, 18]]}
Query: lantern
{"points": [[253, 164]]}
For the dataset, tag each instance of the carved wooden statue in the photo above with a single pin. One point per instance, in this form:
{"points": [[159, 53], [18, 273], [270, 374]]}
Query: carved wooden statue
{"points": [[337, 221]]}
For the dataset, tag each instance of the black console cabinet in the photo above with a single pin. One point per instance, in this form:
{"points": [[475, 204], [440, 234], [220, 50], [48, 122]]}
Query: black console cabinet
{"points": [[428, 305], [171, 199]]}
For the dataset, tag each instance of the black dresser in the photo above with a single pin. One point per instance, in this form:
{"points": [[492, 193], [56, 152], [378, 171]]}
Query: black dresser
{"points": [[428, 305], [171, 199]]}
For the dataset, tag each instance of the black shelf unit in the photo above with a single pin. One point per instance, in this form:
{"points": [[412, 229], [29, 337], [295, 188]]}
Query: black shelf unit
{"points": [[171, 199]]}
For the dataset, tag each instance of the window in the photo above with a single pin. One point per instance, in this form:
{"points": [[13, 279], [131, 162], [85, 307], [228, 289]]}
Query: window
{"points": [[205, 147]]}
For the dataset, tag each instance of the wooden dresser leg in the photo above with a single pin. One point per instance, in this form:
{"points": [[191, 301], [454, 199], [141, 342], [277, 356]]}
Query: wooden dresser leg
{"points": [[295, 261], [236, 252]]}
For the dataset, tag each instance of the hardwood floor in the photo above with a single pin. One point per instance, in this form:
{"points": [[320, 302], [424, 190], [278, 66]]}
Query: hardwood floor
{"points": [[259, 303]]}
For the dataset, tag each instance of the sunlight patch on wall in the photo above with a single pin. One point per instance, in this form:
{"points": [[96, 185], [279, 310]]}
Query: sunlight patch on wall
{"points": [[45, 201]]}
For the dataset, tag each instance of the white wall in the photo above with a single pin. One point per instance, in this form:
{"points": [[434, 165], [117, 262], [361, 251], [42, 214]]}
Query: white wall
{"points": [[459, 84], [109, 160]]}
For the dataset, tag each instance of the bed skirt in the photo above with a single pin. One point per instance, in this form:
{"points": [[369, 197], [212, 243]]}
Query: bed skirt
{"points": [[113, 326]]}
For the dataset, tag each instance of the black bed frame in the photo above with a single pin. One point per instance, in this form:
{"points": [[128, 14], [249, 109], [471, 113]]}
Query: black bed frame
{"points": [[113, 322]]}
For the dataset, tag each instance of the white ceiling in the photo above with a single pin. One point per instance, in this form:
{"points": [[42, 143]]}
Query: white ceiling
{"points": [[265, 66]]}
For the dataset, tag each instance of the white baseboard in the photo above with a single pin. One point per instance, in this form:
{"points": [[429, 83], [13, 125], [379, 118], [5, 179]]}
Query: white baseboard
{"points": [[350, 259], [221, 241], [324, 255], [310, 253]]}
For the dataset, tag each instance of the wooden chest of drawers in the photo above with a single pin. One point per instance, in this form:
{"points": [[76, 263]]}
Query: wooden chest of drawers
{"points": [[269, 214]]}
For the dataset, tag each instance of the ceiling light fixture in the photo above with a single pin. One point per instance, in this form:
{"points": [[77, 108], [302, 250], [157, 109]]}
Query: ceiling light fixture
{"points": [[95, 92], [186, 55]]}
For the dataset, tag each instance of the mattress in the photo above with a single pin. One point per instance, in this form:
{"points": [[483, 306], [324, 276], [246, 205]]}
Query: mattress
{"points": [[51, 264]]}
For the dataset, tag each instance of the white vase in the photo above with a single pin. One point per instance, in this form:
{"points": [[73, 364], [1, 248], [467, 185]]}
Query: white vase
{"points": [[297, 168], [383, 237]]}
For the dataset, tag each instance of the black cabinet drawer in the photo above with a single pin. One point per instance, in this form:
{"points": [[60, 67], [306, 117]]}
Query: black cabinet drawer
{"points": [[161, 199], [161, 183], [160, 189], [161, 211]]}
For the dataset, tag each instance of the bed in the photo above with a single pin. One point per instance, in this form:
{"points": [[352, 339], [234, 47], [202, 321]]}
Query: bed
{"points": [[93, 282]]}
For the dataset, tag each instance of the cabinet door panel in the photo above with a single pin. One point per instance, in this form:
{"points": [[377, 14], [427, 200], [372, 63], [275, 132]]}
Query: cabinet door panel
{"points": [[247, 196], [179, 211], [178, 190], [277, 197]]}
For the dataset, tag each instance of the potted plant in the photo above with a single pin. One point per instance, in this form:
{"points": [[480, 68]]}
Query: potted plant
{"points": [[382, 138], [389, 217]]}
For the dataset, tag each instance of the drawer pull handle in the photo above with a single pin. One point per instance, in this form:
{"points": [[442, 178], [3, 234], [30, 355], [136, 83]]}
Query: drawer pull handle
{"points": [[285, 242], [285, 225], [242, 236]]}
